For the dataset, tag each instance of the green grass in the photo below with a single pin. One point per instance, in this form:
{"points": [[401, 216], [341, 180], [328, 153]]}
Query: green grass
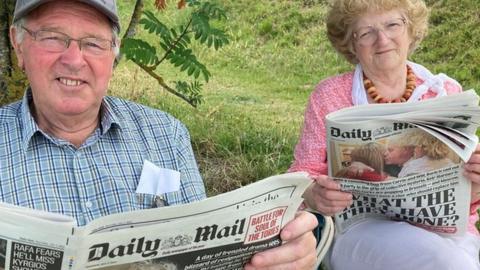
{"points": [[250, 120], [452, 46]]}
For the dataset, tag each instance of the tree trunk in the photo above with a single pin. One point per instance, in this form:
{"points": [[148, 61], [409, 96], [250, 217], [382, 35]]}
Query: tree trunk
{"points": [[136, 15], [130, 32]]}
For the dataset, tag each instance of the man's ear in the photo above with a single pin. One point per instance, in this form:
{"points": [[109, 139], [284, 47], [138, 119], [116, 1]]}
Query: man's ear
{"points": [[118, 57], [16, 46]]}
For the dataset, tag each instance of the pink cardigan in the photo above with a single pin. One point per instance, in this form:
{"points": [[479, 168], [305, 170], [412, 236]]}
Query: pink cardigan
{"points": [[330, 95]]}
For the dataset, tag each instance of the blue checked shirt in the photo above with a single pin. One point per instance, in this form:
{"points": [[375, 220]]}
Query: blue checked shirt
{"points": [[100, 177]]}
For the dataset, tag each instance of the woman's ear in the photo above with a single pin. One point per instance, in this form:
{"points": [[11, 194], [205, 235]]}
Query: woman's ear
{"points": [[17, 47], [351, 48]]}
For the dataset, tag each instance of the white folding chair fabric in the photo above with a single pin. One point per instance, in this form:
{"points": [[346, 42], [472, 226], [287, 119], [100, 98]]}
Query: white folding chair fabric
{"points": [[326, 237]]}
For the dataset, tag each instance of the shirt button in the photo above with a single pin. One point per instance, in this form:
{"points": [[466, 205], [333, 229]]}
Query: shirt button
{"points": [[88, 204]]}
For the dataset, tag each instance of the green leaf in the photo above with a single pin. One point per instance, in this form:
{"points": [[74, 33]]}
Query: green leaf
{"points": [[193, 3], [213, 11], [140, 52], [190, 90], [174, 33], [203, 31], [164, 46], [188, 62], [191, 69], [153, 25], [210, 41]]}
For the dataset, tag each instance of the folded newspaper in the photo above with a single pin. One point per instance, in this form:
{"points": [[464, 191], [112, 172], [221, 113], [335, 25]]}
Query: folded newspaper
{"points": [[221, 232], [403, 161]]}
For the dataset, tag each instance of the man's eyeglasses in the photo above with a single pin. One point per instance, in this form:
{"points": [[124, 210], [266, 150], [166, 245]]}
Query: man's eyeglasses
{"points": [[367, 35], [58, 42]]}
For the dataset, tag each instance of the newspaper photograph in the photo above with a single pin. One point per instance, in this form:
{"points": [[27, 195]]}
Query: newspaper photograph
{"points": [[404, 162], [221, 232]]}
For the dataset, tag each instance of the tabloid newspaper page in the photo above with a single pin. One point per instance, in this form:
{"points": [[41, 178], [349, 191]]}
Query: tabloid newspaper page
{"points": [[404, 161], [221, 232], [31, 239]]}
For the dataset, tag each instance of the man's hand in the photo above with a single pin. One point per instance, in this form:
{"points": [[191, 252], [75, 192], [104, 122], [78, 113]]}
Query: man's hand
{"points": [[297, 251], [325, 196]]}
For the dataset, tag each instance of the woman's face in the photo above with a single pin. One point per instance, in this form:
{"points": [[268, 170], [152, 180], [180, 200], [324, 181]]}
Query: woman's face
{"points": [[381, 41]]}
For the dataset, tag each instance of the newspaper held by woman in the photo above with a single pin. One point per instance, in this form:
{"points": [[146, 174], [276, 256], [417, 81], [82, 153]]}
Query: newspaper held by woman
{"points": [[404, 161]]}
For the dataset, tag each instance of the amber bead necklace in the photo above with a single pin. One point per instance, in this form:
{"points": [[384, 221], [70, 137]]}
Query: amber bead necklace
{"points": [[375, 96]]}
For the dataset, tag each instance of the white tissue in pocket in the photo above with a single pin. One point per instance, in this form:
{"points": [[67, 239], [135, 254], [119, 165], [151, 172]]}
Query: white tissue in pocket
{"points": [[155, 180]]}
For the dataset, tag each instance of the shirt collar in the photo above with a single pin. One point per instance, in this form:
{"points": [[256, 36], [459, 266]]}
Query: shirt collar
{"points": [[29, 125], [109, 118]]}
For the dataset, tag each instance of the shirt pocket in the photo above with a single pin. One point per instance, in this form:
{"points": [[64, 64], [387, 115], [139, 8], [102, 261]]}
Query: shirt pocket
{"points": [[146, 201]]}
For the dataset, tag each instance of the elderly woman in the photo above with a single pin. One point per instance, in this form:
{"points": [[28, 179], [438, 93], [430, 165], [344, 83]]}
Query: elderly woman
{"points": [[377, 36]]}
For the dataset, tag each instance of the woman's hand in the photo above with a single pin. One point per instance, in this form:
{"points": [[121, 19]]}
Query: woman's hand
{"points": [[472, 167], [324, 195], [472, 172]]}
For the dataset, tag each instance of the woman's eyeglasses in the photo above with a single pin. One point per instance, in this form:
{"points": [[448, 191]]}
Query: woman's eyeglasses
{"points": [[368, 35]]}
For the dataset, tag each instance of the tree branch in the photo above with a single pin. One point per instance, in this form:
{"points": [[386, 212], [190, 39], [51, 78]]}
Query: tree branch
{"points": [[185, 31], [164, 85]]}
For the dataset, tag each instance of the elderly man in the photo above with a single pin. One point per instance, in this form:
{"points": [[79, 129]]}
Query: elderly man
{"points": [[68, 148]]}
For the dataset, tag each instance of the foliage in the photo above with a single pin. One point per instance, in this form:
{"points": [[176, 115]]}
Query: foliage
{"points": [[15, 83], [174, 44], [15, 86]]}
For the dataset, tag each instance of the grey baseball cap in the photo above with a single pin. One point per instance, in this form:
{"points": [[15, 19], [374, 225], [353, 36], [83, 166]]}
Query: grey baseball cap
{"points": [[107, 7]]}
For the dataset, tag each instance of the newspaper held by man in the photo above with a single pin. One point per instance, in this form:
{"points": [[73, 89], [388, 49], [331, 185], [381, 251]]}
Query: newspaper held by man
{"points": [[221, 232], [404, 161]]}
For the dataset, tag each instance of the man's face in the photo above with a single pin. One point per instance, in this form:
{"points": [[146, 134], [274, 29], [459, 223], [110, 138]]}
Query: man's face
{"points": [[68, 83], [397, 155]]}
